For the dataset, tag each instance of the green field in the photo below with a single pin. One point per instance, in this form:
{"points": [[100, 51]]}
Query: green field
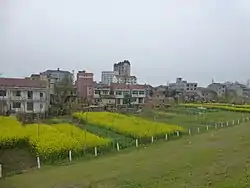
{"points": [[19, 159], [193, 117], [218, 159]]}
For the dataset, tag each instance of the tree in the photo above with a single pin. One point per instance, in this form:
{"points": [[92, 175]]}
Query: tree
{"points": [[62, 92]]}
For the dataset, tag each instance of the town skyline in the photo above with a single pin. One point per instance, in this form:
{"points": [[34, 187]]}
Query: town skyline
{"points": [[98, 76]]}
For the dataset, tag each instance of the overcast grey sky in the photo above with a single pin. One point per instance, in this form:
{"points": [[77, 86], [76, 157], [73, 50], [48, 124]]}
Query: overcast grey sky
{"points": [[163, 39]]}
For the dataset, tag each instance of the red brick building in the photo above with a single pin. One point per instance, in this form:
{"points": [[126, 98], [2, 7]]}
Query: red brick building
{"points": [[85, 85]]}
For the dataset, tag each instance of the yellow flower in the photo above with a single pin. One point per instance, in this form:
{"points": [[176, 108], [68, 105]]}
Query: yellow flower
{"points": [[128, 125]]}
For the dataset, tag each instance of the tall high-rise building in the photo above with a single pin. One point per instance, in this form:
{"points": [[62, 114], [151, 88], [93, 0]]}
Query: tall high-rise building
{"points": [[123, 68], [107, 76]]}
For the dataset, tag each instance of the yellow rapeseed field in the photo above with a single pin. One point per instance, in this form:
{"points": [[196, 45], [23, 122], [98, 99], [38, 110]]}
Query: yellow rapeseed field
{"points": [[84, 138], [47, 141], [128, 125], [11, 132]]}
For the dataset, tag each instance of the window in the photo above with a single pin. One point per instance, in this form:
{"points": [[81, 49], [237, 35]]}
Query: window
{"points": [[118, 93], [2, 93], [17, 93], [97, 92], [16, 105], [41, 106], [30, 94], [126, 93], [30, 106], [187, 88], [41, 95], [105, 92], [141, 93], [135, 92]]}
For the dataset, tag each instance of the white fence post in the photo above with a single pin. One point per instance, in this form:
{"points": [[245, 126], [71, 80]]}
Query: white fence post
{"points": [[238, 121], [117, 146], [95, 151], [247, 118], [198, 129], [136, 143], [152, 139], [207, 127], [227, 123], [166, 136], [38, 162], [233, 122], [70, 156], [1, 171], [216, 125], [222, 124], [189, 131], [177, 133]]}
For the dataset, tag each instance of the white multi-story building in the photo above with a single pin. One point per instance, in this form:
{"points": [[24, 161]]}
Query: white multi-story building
{"points": [[124, 79], [219, 88], [107, 76], [23, 95], [183, 86], [136, 93]]}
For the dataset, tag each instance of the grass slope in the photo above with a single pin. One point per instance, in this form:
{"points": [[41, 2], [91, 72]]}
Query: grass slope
{"points": [[218, 159]]}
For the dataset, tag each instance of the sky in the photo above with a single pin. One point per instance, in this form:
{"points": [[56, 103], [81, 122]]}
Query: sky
{"points": [[163, 39]]}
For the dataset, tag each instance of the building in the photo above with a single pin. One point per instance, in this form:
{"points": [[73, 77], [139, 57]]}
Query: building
{"points": [[103, 94], [34, 77], [218, 88], [136, 94], [53, 77], [240, 89], [85, 85], [206, 94], [107, 76], [183, 86], [123, 68], [23, 95], [58, 75], [124, 79]]}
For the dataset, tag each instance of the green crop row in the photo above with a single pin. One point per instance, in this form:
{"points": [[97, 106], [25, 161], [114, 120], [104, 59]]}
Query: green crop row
{"points": [[222, 107]]}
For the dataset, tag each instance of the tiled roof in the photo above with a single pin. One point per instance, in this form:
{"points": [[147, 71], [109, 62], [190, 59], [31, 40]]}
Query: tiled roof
{"points": [[53, 71], [127, 86], [22, 82]]}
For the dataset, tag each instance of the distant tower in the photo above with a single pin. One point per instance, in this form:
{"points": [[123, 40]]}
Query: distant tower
{"points": [[123, 68], [212, 80]]}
